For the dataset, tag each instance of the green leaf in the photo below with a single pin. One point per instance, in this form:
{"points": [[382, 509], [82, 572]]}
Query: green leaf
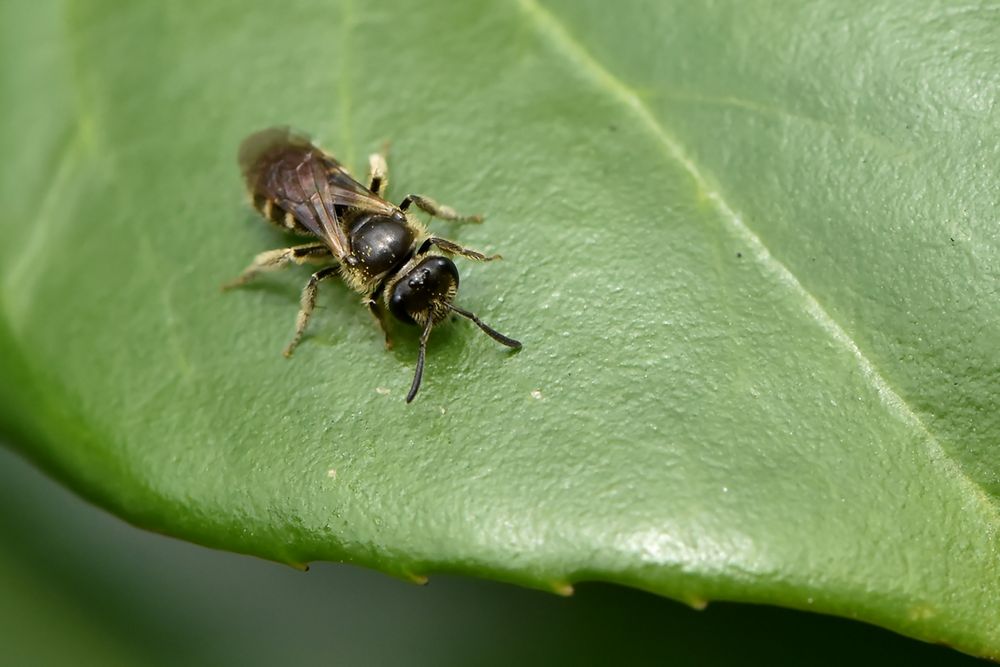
{"points": [[751, 252], [131, 597]]}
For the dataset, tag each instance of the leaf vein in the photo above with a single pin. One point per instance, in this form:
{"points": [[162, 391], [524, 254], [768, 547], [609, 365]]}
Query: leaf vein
{"points": [[61, 167], [559, 37], [891, 149]]}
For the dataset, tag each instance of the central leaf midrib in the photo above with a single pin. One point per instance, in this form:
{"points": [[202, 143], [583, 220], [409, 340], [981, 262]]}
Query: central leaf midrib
{"points": [[559, 36]]}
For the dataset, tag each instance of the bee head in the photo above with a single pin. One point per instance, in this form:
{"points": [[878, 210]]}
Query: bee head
{"points": [[424, 293], [424, 296]]}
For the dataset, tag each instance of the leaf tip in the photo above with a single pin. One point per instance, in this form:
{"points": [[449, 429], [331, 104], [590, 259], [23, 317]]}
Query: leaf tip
{"points": [[696, 602], [562, 588], [418, 579]]}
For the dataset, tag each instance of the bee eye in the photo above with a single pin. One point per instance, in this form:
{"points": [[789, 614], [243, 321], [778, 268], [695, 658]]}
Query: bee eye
{"points": [[433, 281]]}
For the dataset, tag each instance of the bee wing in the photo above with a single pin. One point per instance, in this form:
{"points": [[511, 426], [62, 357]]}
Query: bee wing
{"points": [[257, 150], [316, 205], [348, 192], [283, 166], [370, 202], [286, 167], [340, 187]]}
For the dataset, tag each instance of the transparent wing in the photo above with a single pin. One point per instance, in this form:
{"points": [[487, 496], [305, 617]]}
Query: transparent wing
{"points": [[343, 189], [286, 168], [263, 149], [348, 192], [315, 201]]}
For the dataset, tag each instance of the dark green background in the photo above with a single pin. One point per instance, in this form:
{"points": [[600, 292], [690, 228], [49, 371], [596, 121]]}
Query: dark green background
{"points": [[82, 588]]}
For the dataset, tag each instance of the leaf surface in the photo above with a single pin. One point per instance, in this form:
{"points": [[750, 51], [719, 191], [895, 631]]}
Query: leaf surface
{"points": [[751, 251]]}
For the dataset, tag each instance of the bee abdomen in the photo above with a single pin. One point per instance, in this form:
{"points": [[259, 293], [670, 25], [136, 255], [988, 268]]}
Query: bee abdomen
{"points": [[275, 214]]}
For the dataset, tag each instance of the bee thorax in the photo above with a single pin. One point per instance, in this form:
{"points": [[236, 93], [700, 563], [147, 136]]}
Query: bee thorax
{"points": [[380, 243]]}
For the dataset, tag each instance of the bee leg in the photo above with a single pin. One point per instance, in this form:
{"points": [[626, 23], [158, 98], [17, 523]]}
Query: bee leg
{"points": [[380, 320], [455, 249], [428, 205], [306, 305], [378, 170], [373, 298], [272, 260]]}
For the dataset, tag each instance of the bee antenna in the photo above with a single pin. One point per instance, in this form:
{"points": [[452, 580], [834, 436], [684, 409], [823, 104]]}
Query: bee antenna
{"points": [[419, 373], [490, 331]]}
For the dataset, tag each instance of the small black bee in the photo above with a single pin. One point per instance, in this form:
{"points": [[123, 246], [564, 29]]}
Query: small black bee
{"points": [[376, 248]]}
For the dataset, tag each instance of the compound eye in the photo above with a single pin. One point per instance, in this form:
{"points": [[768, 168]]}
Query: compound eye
{"points": [[424, 291]]}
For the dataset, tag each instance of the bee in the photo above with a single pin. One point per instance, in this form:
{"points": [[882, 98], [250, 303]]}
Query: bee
{"points": [[374, 246]]}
